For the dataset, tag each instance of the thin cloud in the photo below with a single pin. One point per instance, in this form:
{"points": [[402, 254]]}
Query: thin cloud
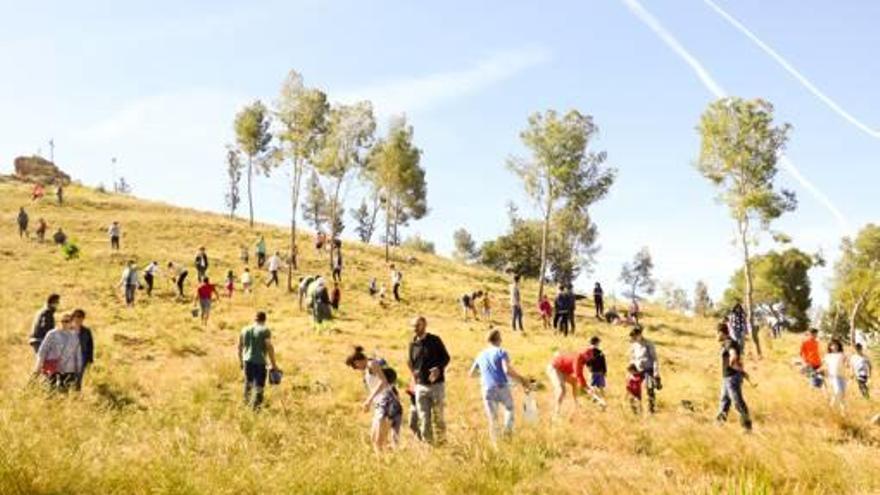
{"points": [[421, 93], [802, 79], [712, 85]]}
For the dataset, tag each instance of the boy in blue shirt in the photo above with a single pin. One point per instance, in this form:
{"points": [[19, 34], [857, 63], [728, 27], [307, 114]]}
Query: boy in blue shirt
{"points": [[495, 370]]}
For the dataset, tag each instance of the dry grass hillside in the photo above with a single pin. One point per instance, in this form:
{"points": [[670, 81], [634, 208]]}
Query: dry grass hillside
{"points": [[161, 412]]}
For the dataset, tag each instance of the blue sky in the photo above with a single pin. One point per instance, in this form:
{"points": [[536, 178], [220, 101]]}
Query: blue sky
{"points": [[157, 85]]}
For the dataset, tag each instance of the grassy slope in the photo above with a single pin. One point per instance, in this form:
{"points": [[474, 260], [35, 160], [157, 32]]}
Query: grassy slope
{"points": [[161, 410]]}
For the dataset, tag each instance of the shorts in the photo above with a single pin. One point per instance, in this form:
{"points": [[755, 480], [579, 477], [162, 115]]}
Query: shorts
{"points": [[387, 407], [205, 305], [597, 380], [255, 374]]}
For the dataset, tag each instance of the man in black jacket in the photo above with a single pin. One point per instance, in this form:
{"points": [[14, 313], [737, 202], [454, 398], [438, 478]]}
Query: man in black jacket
{"points": [[86, 344], [201, 264], [44, 321], [428, 360]]}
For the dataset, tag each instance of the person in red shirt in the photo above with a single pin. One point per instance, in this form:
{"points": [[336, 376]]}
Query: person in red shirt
{"points": [[546, 310], [568, 368], [812, 358], [634, 389], [206, 293]]}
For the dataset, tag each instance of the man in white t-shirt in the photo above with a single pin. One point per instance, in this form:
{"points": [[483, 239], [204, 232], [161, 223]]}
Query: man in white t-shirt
{"points": [[273, 266]]}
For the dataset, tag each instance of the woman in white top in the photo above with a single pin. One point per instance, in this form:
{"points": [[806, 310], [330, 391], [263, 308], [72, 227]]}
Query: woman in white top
{"points": [[835, 364], [381, 397], [59, 358]]}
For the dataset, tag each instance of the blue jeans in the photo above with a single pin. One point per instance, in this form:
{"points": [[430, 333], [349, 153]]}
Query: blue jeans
{"points": [[731, 394], [517, 318], [492, 398]]}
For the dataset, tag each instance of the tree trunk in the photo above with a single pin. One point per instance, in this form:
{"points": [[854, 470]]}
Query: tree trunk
{"points": [[294, 201], [387, 229], [250, 191], [544, 235], [747, 272], [334, 212], [372, 226], [853, 316]]}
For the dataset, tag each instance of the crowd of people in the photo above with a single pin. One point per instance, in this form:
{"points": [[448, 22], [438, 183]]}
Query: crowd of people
{"points": [[64, 349]]}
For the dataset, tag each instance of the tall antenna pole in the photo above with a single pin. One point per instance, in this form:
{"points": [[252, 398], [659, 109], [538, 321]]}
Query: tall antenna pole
{"points": [[113, 171], [52, 150]]}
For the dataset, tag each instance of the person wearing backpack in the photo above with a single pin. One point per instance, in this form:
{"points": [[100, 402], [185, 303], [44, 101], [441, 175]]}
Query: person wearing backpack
{"points": [[44, 322], [382, 396], [254, 347], [493, 365], [428, 359]]}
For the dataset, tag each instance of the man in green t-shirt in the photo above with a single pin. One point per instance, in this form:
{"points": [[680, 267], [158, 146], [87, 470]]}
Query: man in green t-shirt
{"points": [[254, 346]]}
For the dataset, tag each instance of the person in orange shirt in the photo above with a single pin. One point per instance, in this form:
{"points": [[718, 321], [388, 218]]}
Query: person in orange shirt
{"points": [[812, 358], [567, 368]]}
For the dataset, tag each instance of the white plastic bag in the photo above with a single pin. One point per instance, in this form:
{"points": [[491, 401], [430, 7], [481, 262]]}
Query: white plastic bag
{"points": [[530, 408]]}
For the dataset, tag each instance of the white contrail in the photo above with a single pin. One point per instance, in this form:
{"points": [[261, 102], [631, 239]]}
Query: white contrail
{"points": [[833, 105], [706, 78]]}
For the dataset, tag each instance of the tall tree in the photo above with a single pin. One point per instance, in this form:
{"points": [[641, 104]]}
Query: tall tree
{"points": [[780, 286], [315, 203], [302, 113], [395, 172], [702, 301], [572, 243], [365, 218], [465, 247], [253, 137], [638, 275], [234, 167], [856, 285], [350, 133], [561, 170], [674, 298], [739, 152]]}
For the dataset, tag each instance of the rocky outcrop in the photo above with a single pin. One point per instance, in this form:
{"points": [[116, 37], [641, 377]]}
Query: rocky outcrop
{"points": [[38, 169]]}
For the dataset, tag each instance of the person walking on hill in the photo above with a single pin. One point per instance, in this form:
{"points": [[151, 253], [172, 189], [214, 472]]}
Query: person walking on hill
{"points": [[320, 302], [861, 369], [335, 296], [562, 311], [178, 274], [337, 261], [303, 289], [634, 389], [59, 193], [261, 251], [545, 308], [59, 358], [202, 264], [244, 256], [428, 359], [835, 364], [60, 238], [493, 365], [150, 274], [487, 306], [396, 280], [230, 284], [812, 358], [599, 301], [115, 232], [732, 375], [38, 192], [23, 220], [44, 321], [206, 294], [516, 305], [247, 282], [382, 396], [643, 355], [255, 348], [86, 345], [129, 282], [273, 266], [42, 227]]}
